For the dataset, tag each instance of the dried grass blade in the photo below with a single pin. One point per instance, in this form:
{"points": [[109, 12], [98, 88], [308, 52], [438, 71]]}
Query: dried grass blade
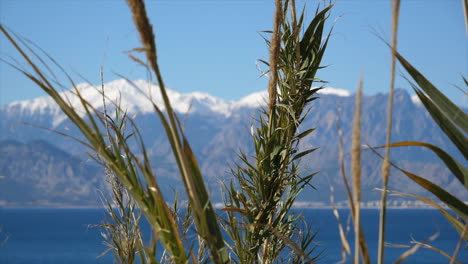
{"points": [[415, 248], [443, 253], [345, 248]]}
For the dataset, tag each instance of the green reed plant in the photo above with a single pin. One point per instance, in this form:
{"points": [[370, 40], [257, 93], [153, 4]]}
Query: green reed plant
{"points": [[259, 199], [121, 229]]}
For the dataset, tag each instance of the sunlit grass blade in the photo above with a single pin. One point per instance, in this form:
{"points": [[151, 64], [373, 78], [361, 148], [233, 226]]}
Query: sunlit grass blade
{"points": [[449, 109], [459, 207], [451, 201], [452, 164], [452, 131], [207, 216], [456, 223]]}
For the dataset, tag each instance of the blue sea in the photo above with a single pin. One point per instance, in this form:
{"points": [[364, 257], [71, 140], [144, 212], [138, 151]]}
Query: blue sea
{"points": [[49, 236]]}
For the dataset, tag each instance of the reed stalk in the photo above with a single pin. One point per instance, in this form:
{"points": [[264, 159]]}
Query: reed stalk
{"points": [[356, 171], [274, 54], [386, 163], [362, 240], [465, 13], [258, 202]]}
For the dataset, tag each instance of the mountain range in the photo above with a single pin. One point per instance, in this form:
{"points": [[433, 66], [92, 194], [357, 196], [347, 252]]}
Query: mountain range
{"points": [[39, 167]]}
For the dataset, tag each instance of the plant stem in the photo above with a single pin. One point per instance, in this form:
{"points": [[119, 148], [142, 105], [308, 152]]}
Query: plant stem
{"points": [[386, 162], [356, 170], [274, 54]]}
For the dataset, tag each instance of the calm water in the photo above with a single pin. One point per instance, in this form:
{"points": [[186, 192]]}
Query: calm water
{"points": [[49, 236]]}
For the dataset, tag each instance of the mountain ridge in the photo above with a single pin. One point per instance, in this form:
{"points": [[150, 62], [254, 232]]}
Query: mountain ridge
{"points": [[136, 97], [216, 139]]}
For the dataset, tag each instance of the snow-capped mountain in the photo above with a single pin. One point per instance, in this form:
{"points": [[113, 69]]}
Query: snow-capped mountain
{"points": [[137, 97], [217, 129]]}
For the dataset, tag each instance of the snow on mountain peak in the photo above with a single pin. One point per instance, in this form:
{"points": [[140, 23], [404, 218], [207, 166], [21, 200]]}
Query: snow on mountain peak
{"points": [[253, 100], [334, 91], [137, 97], [134, 97]]}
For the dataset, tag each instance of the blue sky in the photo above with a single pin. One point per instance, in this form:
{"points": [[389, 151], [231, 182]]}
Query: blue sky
{"points": [[212, 46]]}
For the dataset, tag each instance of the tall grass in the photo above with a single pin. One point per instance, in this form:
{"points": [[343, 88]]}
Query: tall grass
{"points": [[454, 123]]}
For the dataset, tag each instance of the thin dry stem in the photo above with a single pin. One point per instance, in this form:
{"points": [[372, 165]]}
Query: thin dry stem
{"points": [[364, 251], [356, 169], [345, 248], [465, 12], [386, 163], [415, 248], [342, 163]]}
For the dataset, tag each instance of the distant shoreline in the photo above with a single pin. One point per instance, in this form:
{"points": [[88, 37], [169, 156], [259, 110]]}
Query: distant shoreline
{"points": [[401, 204], [294, 208]]}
